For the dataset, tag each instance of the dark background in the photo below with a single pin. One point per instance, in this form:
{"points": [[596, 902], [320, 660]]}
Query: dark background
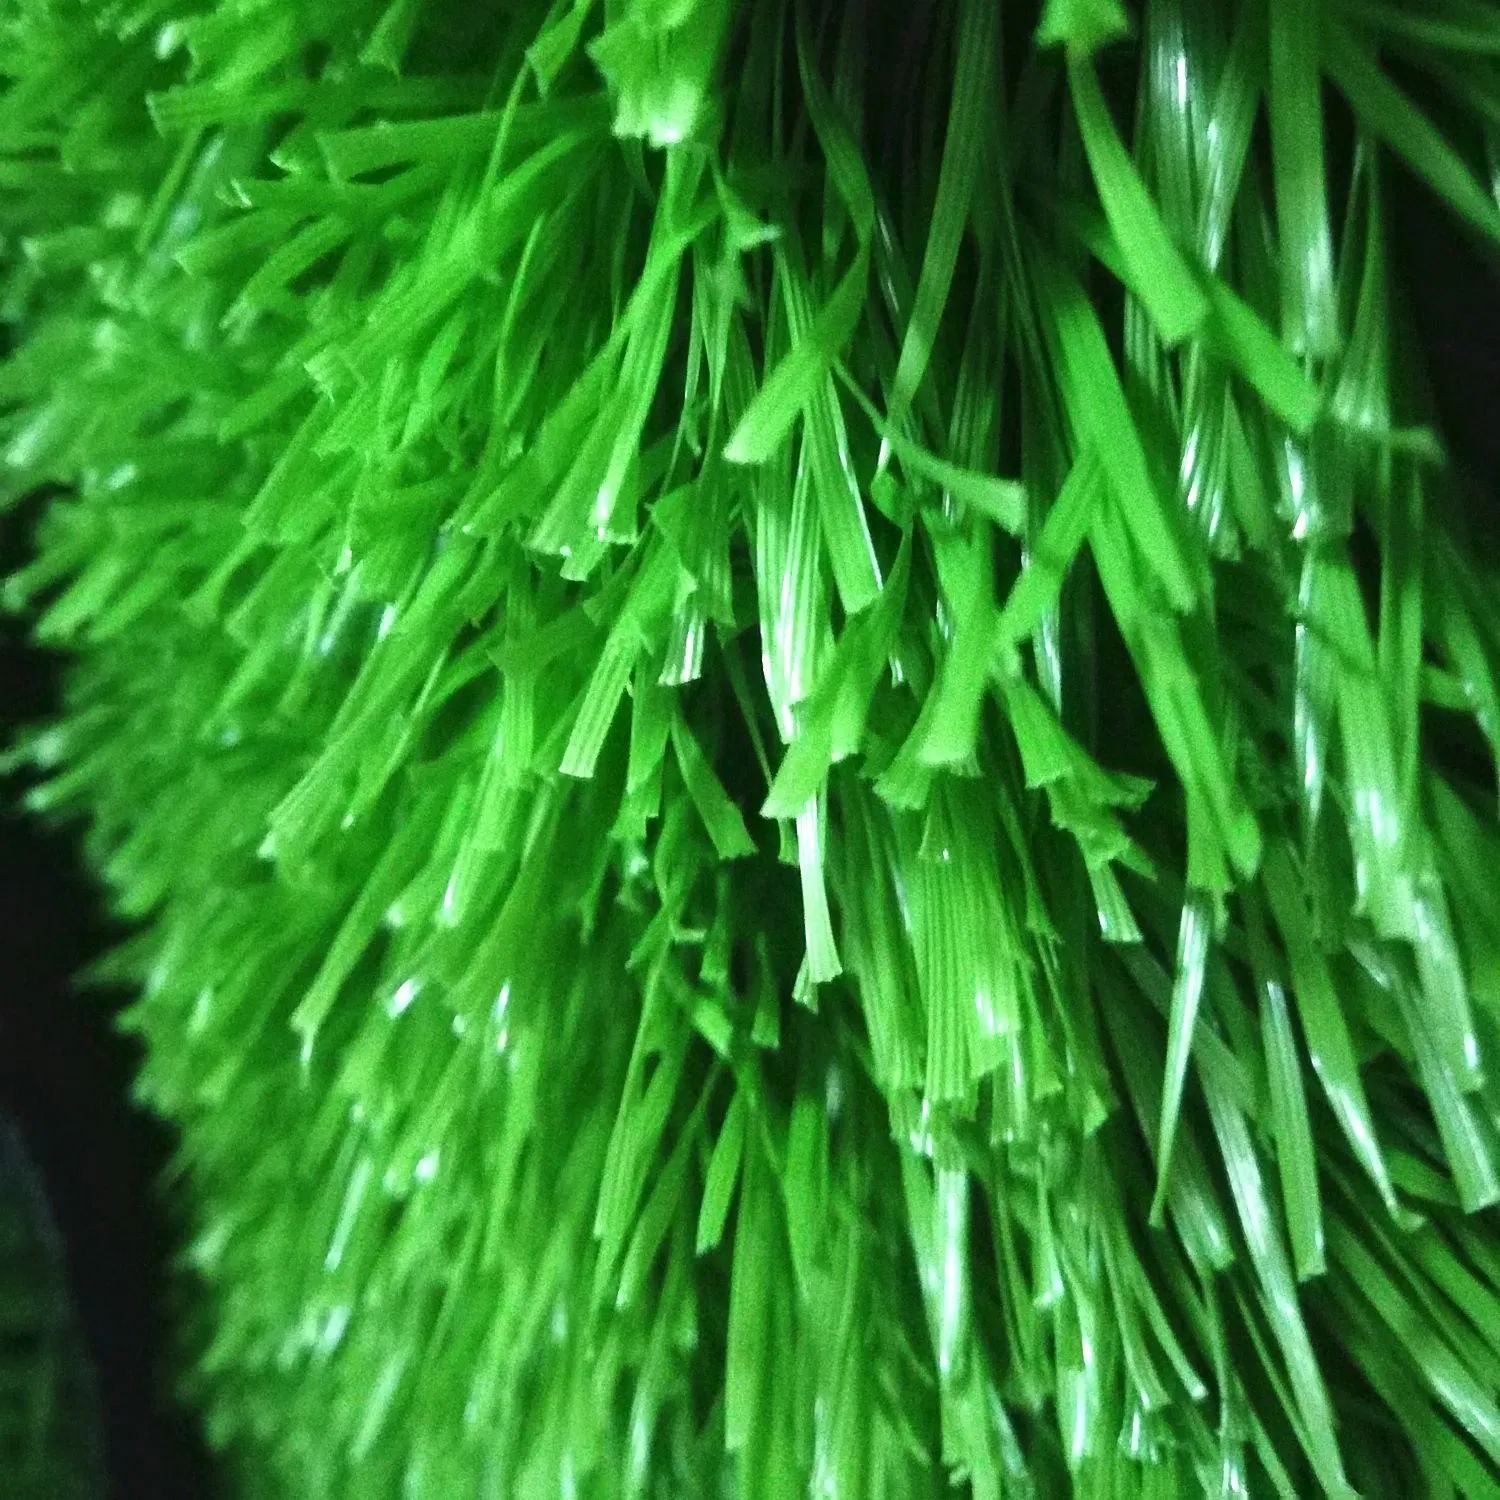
{"points": [[64, 1071], [64, 1076]]}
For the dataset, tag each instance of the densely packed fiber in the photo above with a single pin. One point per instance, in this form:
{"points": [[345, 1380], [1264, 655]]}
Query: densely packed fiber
{"points": [[797, 708]]}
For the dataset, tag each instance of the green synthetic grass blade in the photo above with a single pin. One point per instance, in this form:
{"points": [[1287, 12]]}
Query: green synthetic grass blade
{"points": [[798, 718]]}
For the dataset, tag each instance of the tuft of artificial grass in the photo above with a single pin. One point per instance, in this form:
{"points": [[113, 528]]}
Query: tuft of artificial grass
{"points": [[800, 717]]}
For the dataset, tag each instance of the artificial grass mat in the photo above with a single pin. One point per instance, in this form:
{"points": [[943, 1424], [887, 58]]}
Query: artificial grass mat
{"points": [[799, 716]]}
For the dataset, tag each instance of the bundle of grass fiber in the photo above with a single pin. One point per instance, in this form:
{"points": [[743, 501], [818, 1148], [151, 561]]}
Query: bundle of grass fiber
{"points": [[798, 714]]}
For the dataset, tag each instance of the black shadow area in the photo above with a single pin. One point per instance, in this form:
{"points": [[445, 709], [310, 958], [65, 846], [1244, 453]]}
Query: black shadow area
{"points": [[1448, 280], [64, 1077]]}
